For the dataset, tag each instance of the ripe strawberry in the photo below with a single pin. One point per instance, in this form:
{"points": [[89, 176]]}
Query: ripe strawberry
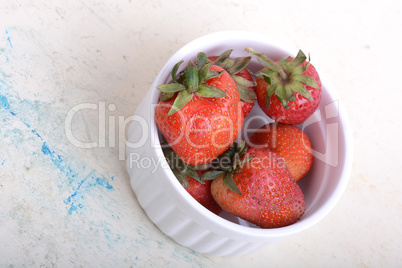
{"points": [[236, 67], [199, 113], [259, 190], [289, 90], [202, 193], [190, 179], [288, 141]]}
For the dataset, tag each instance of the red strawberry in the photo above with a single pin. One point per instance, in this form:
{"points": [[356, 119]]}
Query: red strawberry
{"points": [[190, 179], [236, 67], [288, 141], [202, 193], [199, 113], [289, 90], [260, 190]]}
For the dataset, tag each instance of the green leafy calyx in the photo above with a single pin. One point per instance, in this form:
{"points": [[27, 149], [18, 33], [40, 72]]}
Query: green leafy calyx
{"points": [[227, 165], [179, 168], [285, 78], [189, 82], [233, 66]]}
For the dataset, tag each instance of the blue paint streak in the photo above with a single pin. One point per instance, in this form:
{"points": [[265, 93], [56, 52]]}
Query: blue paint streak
{"points": [[91, 181], [9, 39], [103, 182], [2, 163], [34, 131], [86, 185], [5, 104], [73, 199], [58, 161]]}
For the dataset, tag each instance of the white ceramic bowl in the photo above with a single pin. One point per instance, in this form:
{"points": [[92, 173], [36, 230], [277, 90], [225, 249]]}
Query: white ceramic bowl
{"points": [[178, 215]]}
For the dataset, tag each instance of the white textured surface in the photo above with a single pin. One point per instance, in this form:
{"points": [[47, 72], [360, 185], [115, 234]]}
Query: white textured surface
{"points": [[66, 206]]}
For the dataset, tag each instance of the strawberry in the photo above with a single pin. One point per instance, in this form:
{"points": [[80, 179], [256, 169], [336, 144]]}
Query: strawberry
{"points": [[202, 193], [236, 67], [259, 188], [288, 141], [190, 179], [289, 90], [199, 113]]}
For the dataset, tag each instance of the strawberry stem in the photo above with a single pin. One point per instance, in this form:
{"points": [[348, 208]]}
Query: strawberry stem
{"points": [[281, 72]]}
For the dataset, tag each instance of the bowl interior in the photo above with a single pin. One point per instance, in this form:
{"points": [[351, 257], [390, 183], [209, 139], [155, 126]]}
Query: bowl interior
{"points": [[327, 127]]}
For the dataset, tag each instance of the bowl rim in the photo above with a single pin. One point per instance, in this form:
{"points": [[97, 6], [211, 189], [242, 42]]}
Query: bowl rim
{"points": [[200, 212]]}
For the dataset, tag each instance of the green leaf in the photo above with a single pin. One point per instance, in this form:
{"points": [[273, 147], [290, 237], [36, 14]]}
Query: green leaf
{"points": [[246, 159], [230, 183], [225, 55], [283, 61], [243, 81], [212, 74], [288, 92], [174, 70], [270, 91], [211, 175], [172, 158], [299, 88], [308, 63], [267, 79], [243, 149], [307, 80], [264, 60], [246, 94], [200, 167], [240, 148], [181, 100], [202, 74], [201, 60], [192, 77], [169, 155], [306, 67], [263, 72], [181, 178], [239, 65], [240, 145], [266, 64], [269, 75], [281, 95], [298, 70], [210, 92], [300, 58], [171, 88], [236, 161], [166, 96], [227, 64], [226, 164], [191, 173], [225, 160], [230, 152], [181, 77]]}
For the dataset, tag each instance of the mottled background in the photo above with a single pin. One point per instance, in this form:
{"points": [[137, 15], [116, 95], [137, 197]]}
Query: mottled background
{"points": [[62, 205]]}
